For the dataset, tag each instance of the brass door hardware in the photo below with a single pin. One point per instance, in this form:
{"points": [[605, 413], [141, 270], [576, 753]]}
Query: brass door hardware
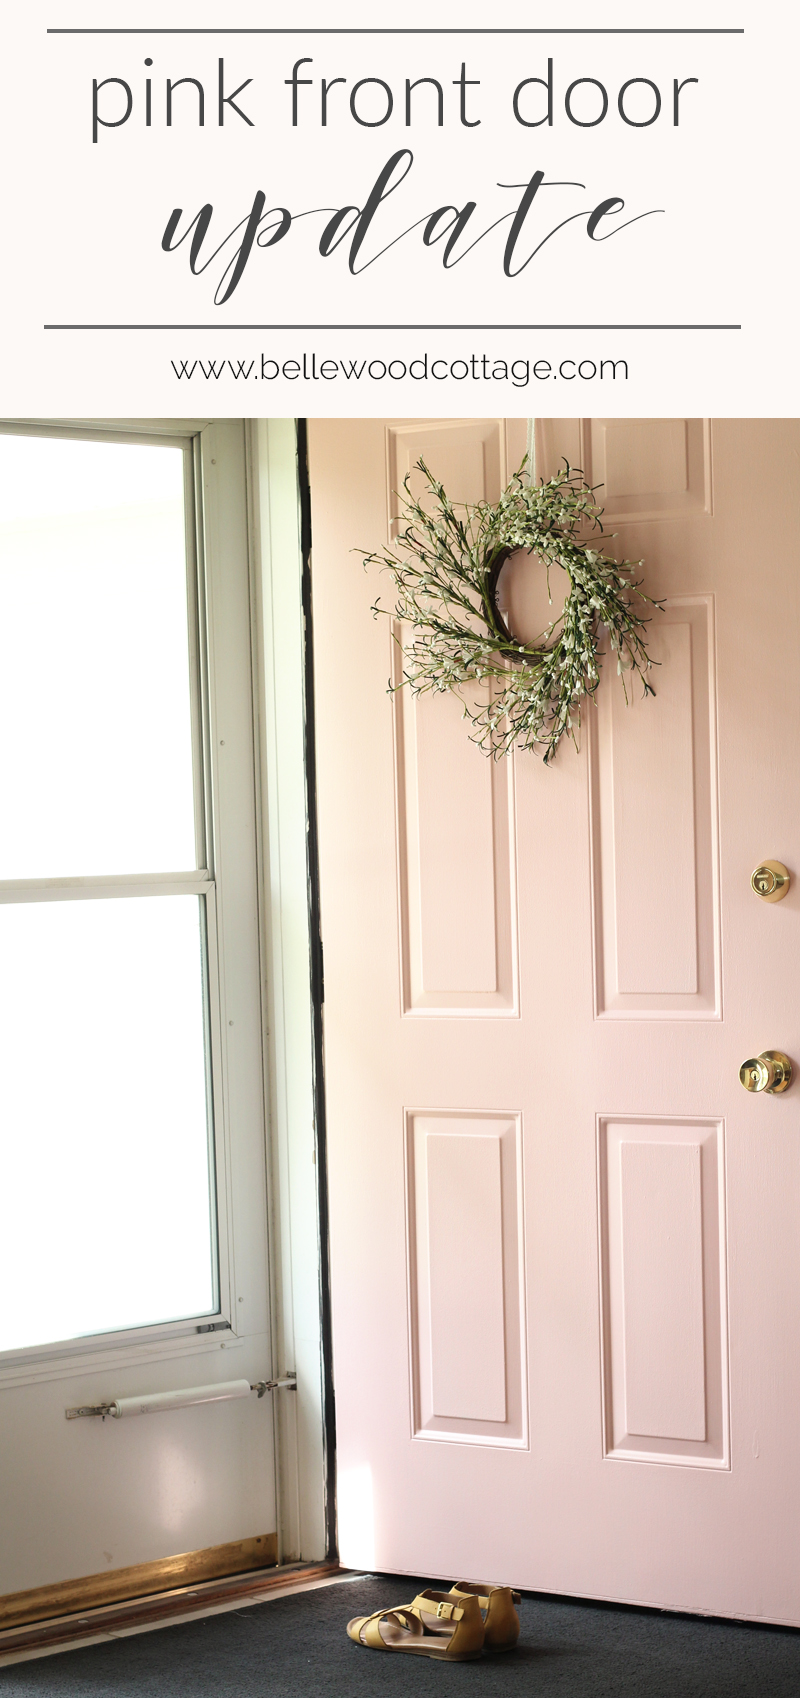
{"points": [[771, 1071], [770, 881]]}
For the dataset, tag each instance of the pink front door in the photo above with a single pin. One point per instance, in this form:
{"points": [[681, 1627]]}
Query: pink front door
{"points": [[565, 1242]]}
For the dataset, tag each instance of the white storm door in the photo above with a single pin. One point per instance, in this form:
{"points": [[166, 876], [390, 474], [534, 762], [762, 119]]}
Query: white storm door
{"points": [[564, 1240], [134, 1245]]}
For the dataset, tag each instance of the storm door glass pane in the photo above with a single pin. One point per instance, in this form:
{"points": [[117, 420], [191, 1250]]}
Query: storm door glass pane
{"points": [[96, 751], [106, 1193]]}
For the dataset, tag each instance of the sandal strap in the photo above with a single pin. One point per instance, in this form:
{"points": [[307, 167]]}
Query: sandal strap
{"points": [[370, 1630], [410, 1618], [444, 1609]]}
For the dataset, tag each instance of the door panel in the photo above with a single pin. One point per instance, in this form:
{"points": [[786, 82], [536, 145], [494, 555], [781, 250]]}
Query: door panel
{"points": [[450, 966], [470, 456], [655, 828], [658, 1212], [664, 1290], [466, 1277]]}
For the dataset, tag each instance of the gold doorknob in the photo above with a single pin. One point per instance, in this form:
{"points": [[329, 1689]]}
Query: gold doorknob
{"points": [[770, 881], [771, 1071]]}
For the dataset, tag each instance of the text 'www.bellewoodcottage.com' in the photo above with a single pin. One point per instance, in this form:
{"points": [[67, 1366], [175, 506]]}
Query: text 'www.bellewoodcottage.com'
{"points": [[475, 368]]}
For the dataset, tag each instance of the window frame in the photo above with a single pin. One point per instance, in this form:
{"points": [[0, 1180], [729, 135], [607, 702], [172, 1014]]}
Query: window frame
{"points": [[226, 882]]}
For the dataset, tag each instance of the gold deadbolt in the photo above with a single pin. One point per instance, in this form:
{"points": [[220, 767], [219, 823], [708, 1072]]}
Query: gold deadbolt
{"points": [[770, 881], [771, 1071]]}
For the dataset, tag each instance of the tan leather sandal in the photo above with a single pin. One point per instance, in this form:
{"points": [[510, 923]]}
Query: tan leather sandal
{"points": [[496, 1603], [434, 1625]]}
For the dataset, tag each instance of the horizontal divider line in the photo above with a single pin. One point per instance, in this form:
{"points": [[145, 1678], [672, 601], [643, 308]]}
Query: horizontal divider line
{"points": [[391, 327], [322, 29]]}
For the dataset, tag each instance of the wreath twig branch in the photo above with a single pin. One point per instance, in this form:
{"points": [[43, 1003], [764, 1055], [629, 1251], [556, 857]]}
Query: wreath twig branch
{"points": [[445, 577]]}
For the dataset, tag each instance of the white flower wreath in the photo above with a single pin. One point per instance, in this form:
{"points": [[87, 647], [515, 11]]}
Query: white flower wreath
{"points": [[446, 583]]}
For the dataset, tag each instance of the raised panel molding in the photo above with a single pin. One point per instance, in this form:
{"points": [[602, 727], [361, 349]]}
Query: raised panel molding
{"points": [[648, 468], [465, 1277], [469, 456], [454, 806], [456, 862], [663, 1285], [654, 826]]}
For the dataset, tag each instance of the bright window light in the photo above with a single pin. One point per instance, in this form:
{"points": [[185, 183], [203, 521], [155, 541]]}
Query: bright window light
{"points": [[105, 1196], [96, 755]]}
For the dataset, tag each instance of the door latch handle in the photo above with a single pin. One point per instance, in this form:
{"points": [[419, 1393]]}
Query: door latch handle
{"points": [[771, 1072]]}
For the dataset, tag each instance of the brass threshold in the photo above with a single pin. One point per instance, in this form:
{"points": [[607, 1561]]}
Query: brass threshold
{"points": [[141, 1611], [115, 1585]]}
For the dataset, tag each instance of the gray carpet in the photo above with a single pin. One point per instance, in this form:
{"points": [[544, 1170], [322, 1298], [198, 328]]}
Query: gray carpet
{"points": [[296, 1647]]}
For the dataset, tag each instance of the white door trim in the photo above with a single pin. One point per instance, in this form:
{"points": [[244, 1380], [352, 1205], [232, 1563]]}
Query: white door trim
{"points": [[297, 1264]]}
